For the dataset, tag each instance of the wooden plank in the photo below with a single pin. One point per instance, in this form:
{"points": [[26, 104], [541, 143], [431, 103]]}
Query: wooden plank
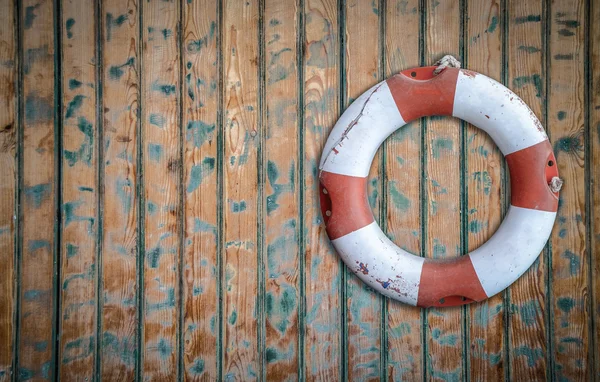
{"points": [[363, 305], [444, 330], [527, 321], [403, 171], [566, 117], [8, 186], [162, 164], [240, 209], [281, 191], [593, 59], [120, 89], [323, 267], [79, 226], [202, 200], [36, 350], [485, 197]]}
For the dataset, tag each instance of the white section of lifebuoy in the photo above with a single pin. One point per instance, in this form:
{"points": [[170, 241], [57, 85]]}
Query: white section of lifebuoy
{"points": [[387, 268], [359, 132], [512, 249], [498, 111]]}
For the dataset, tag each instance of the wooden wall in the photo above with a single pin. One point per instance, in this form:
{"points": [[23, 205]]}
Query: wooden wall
{"points": [[159, 215]]}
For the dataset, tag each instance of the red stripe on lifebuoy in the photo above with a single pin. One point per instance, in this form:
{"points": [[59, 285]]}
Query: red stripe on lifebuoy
{"points": [[531, 170], [449, 283], [345, 197], [418, 93]]}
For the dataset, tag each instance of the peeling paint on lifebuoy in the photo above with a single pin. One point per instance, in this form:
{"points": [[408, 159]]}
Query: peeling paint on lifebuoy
{"points": [[347, 158]]}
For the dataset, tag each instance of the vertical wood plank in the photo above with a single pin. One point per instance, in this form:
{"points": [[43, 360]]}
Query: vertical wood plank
{"points": [[8, 186], [593, 60], [443, 195], [363, 306], [566, 118], [79, 224], [484, 178], [281, 191], [403, 173], [526, 77], [162, 164], [323, 271], [241, 136], [37, 317], [202, 199], [120, 90]]}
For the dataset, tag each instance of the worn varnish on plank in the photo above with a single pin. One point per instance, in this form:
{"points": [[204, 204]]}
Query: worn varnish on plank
{"points": [[80, 192], [38, 246], [8, 186], [159, 208], [403, 168]]}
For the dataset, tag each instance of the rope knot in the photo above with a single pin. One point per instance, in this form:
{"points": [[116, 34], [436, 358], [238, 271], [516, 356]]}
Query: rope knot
{"points": [[555, 184], [446, 61]]}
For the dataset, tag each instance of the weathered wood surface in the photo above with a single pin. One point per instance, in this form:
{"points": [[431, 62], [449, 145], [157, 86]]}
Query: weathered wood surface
{"points": [[159, 209]]}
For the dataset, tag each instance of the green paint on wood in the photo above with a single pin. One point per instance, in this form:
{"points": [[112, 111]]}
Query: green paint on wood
{"points": [[493, 25], [439, 145], [37, 194], [534, 79], [400, 202], [155, 152], [69, 26], [86, 149], [278, 188], [30, 16], [199, 172], [529, 49], [199, 132], [38, 109], [528, 19], [532, 355], [116, 72]]}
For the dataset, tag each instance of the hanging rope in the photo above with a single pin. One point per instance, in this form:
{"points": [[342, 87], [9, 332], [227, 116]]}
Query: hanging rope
{"points": [[445, 62], [556, 184]]}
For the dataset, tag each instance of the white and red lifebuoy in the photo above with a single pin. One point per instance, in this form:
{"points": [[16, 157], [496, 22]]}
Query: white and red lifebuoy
{"points": [[347, 158]]}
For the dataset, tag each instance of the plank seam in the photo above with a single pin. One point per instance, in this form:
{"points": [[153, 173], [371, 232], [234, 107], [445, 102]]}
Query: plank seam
{"points": [[58, 223], [261, 218], [301, 244], [343, 270], [383, 205], [549, 314], [100, 188], [423, 187], [18, 238], [504, 182], [588, 190], [140, 193], [464, 196], [181, 201], [220, 197]]}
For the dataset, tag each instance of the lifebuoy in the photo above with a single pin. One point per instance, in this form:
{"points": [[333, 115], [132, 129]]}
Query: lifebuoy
{"points": [[347, 158]]}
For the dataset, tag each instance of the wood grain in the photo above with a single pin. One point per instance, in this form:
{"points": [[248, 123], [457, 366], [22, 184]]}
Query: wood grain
{"points": [[79, 226], [37, 325], [8, 186], [201, 277], [120, 246], [566, 117], [363, 306], [403, 191], [485, 186], [162, 166], [323, 267], [528, 318], [444, 328], [281, 192], [240, 206], [593, 106]]}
